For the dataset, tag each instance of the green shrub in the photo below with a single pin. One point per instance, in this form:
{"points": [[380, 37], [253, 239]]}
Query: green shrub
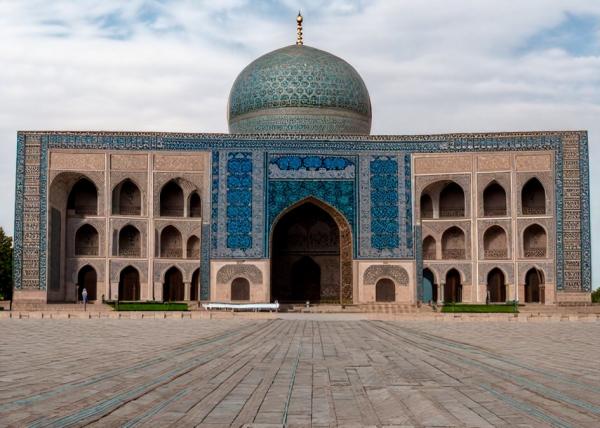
{"points": [[596, 296], [508, 308], [148, 306]]}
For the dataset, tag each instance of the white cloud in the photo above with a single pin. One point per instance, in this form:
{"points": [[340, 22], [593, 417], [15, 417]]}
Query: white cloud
{"points": [[430, 66]]}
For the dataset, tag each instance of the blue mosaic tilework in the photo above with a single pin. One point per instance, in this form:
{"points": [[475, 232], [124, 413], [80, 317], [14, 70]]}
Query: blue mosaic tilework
{"points": [[214, 198], [19, 200], [43, 211], [586, 239], [385, 206], [239, 201], [419, 261], [205, 262], [330, 121], [282, 194], [311, 167], [385, 228], [298, 76]]}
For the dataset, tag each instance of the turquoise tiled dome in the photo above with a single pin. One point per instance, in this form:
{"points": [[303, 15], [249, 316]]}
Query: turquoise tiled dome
{"points": [[299, 89]]}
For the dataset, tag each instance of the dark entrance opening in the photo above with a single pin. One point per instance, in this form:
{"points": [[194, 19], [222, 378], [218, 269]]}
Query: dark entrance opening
{"points": [[173, 287], [87, 279], [306, 256], [194, 288], [453, 287], [129, 284], [534, 281], [385, 290], [240, 289], [306, 280], [496, 287]]}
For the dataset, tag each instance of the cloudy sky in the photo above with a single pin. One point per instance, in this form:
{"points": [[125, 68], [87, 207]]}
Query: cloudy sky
{"points": [[431, 66]]}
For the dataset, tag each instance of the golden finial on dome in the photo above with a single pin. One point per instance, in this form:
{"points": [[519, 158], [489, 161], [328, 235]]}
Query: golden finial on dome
{"points": [[299, 40]]}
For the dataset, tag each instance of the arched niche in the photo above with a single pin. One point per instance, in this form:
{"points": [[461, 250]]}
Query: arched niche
{"points": [[126, 199]]}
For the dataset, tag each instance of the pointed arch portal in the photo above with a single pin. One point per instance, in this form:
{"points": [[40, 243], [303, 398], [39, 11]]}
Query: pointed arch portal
{"points": [[311, 255]]}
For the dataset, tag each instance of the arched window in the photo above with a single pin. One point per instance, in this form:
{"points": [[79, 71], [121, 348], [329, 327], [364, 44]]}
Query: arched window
{"points": [[170, 243], [385, 290], [195, 286], [195, 205], [429, 252], [83, 198], [171, 200], [426, 206], [452, 201], [496, 286], [534, 285], [533, 198], [87, 279], [494, 200], [173, 289], [535, 242], [453, 287], [193, 248], [126, 199], [129, 284], [129, 242], [453, 244], [495, 243], [86, 241], [240, 289]]}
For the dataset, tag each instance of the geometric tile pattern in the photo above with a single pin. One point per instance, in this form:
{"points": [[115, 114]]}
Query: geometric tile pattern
{"points": [[299, 89], [385, 207]]}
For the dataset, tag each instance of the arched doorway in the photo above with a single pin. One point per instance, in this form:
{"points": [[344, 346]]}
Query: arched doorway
{"points": [[129, 284], [240, 289], [194, 288], [534, 282], [385, 290], [496, 286], [429, 286], [173, 289], [87, 279], [311, 255], [453, 287]]}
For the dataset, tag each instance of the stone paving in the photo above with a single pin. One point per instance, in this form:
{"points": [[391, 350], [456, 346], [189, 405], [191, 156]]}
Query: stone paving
{"points": [[298, 372]]}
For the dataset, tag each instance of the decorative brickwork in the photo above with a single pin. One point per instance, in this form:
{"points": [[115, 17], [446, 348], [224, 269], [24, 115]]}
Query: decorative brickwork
{"points": [[376, 272], [229, 272]]}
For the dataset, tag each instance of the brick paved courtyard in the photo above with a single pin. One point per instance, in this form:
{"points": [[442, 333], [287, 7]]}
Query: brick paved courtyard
{"points": [[300, 372]]}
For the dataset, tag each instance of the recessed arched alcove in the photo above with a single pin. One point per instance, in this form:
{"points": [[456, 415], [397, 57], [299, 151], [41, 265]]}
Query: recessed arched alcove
{"points": [[306, 258]]}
